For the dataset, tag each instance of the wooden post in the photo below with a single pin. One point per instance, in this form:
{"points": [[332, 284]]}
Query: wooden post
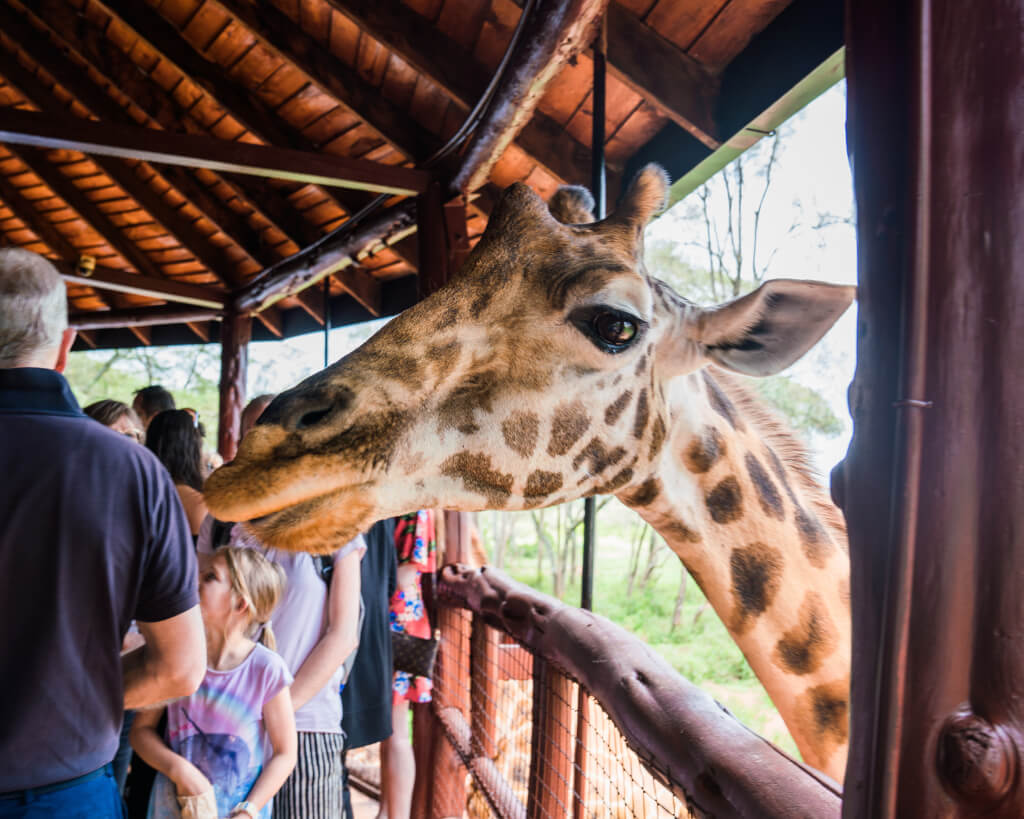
{"points": [[485, 680], [932, 485], [551, 746], [235, 332]]}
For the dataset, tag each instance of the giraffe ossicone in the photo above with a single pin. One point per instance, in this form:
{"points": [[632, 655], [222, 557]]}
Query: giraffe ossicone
{"points": [[552, 367]]}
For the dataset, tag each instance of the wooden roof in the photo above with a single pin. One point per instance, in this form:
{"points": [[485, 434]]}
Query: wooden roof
{"points": [[360, 90]]}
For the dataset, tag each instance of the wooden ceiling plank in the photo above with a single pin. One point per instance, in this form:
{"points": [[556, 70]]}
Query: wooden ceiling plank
{"points": [[280, 33], [141, 89], [87, 210], [682, 88], [194, 150], [454, 69]]}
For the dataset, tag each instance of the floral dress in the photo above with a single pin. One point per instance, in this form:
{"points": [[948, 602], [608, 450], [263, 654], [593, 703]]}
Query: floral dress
{"points": [[416, 547]]}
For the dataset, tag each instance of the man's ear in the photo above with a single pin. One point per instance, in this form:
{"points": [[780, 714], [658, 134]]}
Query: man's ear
{"points": [[765, 331], [66, 340]]}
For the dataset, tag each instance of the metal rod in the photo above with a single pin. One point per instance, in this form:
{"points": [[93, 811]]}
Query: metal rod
{"points": [[597, 184], [327, 320]]}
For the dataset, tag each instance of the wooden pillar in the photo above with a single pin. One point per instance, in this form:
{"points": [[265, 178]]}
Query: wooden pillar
{"points": [[235, 332], [443, 238], [933, 484], [551, 746]]}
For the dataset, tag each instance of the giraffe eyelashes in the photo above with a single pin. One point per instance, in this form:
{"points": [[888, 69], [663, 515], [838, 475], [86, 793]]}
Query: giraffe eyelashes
{"points": [[611, 330]]}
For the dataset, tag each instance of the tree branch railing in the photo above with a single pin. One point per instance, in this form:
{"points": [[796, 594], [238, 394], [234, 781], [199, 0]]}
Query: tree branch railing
{"points": [[691, 755]]}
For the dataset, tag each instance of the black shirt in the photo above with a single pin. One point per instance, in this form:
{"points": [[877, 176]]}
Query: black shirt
{"points": [[93, 535], [366, 698]]}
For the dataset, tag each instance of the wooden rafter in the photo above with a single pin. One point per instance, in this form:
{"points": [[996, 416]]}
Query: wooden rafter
{"points": [[455, 70], [363, 287], [557, 31], [75, 34], [105, 278], [184, 231], [194, 151], [140, 317]]}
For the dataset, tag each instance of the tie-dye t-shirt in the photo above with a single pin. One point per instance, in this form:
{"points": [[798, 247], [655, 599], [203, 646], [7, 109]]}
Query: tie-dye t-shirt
{"points": [[219, 729]]}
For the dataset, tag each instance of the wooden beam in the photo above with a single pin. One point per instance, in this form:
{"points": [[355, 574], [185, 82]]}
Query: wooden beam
{"points": [[271, 319], [235, 333], [557, 31], [106, 278], [312, 301], [74, 33], [76, 199], [195, 151], [454, 69], [139, 317], [142, 333], [679, 86], [363, 286], [304, 269], [201, 329], [88, 337], [182, 229]]}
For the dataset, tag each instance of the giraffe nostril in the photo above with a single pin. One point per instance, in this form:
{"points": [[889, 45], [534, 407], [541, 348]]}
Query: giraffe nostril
{"points": [[312, 418]]}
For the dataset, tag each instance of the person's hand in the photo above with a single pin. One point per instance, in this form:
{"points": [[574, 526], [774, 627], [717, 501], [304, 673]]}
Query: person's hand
{"points": [[189, 780]]}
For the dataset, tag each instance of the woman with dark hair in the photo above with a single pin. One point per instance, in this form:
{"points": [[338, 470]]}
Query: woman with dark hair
{"points": [[175, 438]]}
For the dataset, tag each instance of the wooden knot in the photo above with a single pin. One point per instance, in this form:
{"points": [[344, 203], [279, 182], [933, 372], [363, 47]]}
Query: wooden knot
{"points": [[977, 761]]}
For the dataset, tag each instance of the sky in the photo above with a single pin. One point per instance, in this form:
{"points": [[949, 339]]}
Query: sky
{"points": [[812, 176]]}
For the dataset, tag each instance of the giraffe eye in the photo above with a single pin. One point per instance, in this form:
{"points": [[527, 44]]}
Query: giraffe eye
{"points": [[610, 330]]}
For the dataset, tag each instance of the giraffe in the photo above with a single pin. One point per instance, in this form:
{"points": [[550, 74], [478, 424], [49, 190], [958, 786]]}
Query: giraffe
{"points": [[552, 367]]}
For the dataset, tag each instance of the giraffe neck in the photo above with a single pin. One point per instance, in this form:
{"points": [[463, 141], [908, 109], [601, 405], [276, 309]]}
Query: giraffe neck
{"points": [[738, 506]]}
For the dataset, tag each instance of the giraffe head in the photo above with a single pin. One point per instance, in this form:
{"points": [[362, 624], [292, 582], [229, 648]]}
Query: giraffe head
{"points": [[541, 373]]}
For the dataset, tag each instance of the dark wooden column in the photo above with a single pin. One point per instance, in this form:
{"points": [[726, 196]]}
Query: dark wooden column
{"points": [[443, 238], [933, 485], [235, 332]]}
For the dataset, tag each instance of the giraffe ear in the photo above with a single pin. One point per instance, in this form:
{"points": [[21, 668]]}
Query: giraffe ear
{"points": [[572, 205], [765, 331], [645, 196]]}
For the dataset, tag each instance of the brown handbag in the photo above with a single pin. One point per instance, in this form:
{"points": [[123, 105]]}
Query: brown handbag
{"points": [[414, 655]]}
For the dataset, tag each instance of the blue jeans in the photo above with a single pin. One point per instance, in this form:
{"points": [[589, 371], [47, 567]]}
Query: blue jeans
{"points": [[92, 797]]}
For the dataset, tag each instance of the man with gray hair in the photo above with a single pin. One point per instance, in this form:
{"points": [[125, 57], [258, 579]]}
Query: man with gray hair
{"points": [[94, 536]]}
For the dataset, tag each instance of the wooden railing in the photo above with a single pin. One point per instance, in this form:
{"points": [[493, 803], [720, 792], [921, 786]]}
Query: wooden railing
{"points": [[613, 729]]}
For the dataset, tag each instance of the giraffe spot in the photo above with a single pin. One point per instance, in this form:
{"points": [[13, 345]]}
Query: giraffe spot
{"points": [[642, 414], [599, 456], [457, 410], [477, 475], [756, 577], [447, 318], [444, 356], [520, 431], [767, 494], [540, 484], [724, 501], [676, 530], [719, 401], [658, 432], [397, 366], [844, 591], [641, 363], [704, 450], [480, 302], [617, 482], [645, 494], [780, 473], [616, 408], [823, 716], [804, 648], [567, 427], [816, 543]]}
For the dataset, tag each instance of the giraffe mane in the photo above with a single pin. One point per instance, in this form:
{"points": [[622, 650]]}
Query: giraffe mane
{"points": [[792, 451]]}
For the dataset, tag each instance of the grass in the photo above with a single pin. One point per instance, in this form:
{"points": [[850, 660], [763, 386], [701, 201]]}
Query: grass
{"points": [[699, 648]]}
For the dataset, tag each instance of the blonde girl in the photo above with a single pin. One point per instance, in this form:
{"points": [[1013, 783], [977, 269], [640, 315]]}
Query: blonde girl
{"points": [[231, 745]]}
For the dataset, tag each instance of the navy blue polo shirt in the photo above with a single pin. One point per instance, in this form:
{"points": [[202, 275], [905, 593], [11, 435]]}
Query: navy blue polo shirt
{"points": [[92, 536]]}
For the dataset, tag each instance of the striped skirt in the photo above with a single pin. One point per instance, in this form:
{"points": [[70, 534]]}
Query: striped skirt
{"points": [[313, 791]]}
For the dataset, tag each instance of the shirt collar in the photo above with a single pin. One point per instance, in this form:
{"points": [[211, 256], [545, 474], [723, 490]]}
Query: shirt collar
{"points": [[36, 390]]}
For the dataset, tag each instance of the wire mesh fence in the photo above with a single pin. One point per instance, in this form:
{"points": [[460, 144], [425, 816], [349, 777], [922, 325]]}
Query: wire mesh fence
{"points": [[530, 741]]}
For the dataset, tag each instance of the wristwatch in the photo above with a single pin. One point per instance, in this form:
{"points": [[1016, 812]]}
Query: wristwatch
{"points": [[247, 807]]}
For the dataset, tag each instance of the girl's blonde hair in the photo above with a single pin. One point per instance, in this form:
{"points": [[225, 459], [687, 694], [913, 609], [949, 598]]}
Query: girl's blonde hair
{"points": [[260, 583]]}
